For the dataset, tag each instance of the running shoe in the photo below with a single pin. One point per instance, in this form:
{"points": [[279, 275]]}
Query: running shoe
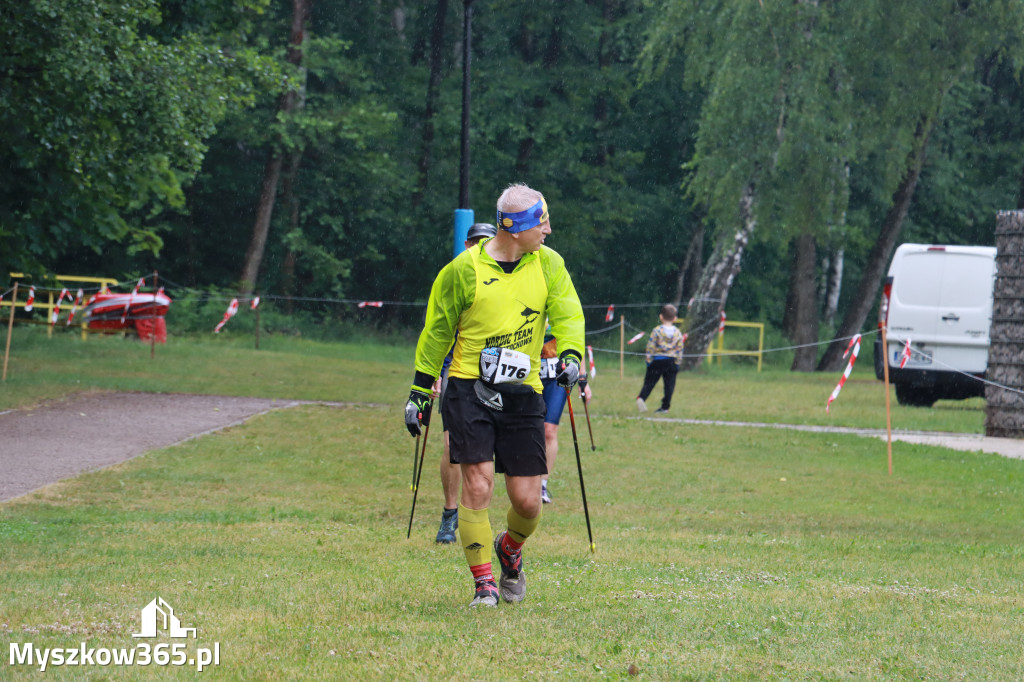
{"points": [[641, 405], [661, 410], [512, 583], [486, 594], [544, 496], [449, 522]]}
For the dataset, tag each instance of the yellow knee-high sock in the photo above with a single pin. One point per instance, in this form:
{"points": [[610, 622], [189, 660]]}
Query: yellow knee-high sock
{"points": [[475, 535], [519, 528]]}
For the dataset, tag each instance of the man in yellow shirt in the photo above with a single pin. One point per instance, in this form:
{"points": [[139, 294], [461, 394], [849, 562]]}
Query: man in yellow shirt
{"points": [[496, 296]]}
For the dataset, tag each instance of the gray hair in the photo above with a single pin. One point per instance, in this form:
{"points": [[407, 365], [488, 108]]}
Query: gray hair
{"points": [[518, 197]]}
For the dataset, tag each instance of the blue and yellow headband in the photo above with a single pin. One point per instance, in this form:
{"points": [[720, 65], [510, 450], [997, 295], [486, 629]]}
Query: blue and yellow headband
{"points": [[524, 220]]}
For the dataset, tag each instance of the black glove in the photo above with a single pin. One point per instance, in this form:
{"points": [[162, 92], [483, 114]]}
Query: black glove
{"points": [[570, 371], [417, 411]]}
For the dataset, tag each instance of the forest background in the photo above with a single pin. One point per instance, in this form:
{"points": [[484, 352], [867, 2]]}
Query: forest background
{"points": [[759, 157]]}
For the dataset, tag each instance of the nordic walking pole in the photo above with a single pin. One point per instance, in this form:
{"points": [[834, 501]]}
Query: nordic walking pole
{"points": [[579, 468], [415, 455], [423, 452], [586, 411]]}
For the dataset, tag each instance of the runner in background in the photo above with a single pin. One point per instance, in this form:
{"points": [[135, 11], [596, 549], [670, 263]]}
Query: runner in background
{"points": [[554, 400]]}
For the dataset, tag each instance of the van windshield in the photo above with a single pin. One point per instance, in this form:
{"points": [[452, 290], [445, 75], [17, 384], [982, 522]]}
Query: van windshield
{"points": [[965, 280]]}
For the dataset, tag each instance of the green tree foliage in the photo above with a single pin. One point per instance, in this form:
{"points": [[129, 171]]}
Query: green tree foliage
{"points": [[131, 147], [817, 105], [101, 121]]}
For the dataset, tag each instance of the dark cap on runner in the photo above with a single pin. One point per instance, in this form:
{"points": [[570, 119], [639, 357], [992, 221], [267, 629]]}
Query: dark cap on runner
{"points": [[481, 230]]}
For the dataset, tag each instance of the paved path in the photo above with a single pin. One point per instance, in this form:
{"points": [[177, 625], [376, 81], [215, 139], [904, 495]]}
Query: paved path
{"points": [[972, 442], [89, 431]]}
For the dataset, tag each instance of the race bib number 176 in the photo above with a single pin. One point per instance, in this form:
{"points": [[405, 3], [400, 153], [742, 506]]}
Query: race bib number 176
{"points": [[504, 366]]}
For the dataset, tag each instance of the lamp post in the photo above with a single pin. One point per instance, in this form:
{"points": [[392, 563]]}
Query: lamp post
{"points": [[464, 214]]}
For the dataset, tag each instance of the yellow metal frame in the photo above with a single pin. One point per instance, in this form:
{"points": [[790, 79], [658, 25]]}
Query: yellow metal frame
{"points": [[721, 350], [104, 282]]}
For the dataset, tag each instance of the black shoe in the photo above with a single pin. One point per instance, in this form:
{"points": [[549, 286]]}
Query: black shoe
{"points": [[661, 410]]}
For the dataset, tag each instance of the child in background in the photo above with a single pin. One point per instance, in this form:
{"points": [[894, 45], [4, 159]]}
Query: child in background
{"points": [[664, 355]]}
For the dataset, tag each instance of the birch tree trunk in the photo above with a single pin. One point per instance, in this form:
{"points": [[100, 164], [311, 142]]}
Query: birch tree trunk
{"points": [[709, 301], [832, 267]]}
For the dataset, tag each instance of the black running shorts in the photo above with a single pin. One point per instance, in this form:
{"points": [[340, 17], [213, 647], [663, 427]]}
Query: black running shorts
{"points": [[478, 433]]}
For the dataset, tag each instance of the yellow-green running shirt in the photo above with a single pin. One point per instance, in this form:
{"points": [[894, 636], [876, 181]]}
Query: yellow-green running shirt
{"points": [[473, 296]]}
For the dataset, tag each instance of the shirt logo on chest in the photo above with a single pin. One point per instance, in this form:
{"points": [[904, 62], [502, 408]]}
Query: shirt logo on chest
{"points": [[529, 314], [492, 280]]}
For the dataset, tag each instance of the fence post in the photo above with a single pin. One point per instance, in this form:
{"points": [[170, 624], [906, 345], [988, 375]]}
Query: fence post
{"points": [[49, 315], [10, 327], [152, 331], [622, 345]]}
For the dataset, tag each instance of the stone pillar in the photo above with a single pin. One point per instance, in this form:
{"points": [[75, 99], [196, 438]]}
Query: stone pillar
{"points": [[1004, 413]]}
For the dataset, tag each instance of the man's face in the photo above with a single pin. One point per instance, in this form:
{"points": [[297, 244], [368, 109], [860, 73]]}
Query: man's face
{"points": [[530, 240]]}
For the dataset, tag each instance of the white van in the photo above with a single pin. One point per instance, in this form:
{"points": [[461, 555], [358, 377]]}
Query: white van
{"points": [[939, 297]]}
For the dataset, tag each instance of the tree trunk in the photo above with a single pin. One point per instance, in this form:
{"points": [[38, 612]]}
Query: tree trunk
{"points": [[691, 263], [723, 266], [878, 258], [287, 104], [261, 228], [291, 201], [832, 268], [433, 84], [1004, 411], [605, 45], [803, 295]]}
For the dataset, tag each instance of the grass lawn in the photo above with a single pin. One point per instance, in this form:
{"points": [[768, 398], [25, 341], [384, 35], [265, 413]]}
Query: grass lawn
{"points": [[721, 552]]}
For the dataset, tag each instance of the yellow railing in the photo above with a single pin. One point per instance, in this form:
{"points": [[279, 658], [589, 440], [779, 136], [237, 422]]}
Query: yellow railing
{"points": [[722, 350], [50, 303], [712, 351]]}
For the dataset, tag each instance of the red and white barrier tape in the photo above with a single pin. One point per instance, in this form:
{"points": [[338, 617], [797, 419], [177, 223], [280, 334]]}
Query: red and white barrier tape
{"points": [[131, 298], [74, 306], [56, 308], [31, 299], [610, 315], [228, 314], [255, 302], [636, 338], [590, 355], [721, 323], [371, 304], [906, 354], [855, 345]]}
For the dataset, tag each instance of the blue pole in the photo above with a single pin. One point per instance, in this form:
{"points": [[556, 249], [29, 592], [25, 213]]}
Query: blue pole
{"points": [[463, 221]]}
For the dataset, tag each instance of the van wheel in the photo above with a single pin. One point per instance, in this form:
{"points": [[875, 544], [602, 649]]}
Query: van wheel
{"points": [[915, 396]]}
